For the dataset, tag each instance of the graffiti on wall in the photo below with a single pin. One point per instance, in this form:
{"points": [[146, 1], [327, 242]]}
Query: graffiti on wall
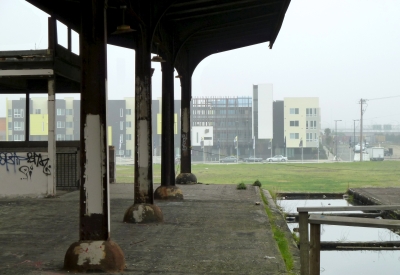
{"points": [[12, 161]]}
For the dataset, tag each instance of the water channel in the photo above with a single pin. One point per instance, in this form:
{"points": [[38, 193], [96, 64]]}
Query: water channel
{"points": [[363, 262]]}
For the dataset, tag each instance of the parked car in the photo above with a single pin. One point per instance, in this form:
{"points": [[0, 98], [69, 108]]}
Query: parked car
{"points": [[228, 159], [357, 148], [253, 159], [277, 158]]}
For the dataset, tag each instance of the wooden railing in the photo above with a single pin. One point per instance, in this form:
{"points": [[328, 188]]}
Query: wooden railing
{"points": [[310, 249]]}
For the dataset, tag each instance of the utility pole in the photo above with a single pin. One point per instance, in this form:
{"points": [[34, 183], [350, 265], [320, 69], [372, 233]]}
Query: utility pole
{"points": [[336, 142]]}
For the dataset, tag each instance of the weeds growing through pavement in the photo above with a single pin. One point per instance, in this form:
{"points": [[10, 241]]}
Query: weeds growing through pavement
{"points": [[241, 186]]}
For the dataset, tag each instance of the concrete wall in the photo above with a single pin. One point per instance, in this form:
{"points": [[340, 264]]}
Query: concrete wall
{"points": [[25, 169], [24, 173]]}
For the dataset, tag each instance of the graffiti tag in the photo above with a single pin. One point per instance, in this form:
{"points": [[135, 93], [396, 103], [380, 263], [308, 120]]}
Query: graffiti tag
{"points": [[13, 161], [39, 161]]}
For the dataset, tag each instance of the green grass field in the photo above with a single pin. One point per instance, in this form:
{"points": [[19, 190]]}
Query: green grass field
{"points": [[291, 177]]}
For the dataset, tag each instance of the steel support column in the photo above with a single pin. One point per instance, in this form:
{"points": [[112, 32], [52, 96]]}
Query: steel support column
{"points": [[167, 190], [186, 176], [143, 210], [51, 143], [94, 251]]}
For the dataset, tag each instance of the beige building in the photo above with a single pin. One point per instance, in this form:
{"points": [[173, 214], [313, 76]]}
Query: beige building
{"points": [[130, 125], [302, 123]]}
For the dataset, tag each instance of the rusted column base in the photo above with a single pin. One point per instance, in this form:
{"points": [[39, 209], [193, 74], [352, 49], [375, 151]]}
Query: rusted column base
{"points": [[186, 178], [171, 193], [92, 256], [143, 213]]}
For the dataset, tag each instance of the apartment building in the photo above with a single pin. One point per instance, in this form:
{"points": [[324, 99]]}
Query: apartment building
{"points": [[302, 124], [120, 120], [3, 128], [243, 126], [67, 119]]}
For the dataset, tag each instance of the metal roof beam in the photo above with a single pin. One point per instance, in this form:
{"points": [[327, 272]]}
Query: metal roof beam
{"points": [[205, 8], [225, 11]]}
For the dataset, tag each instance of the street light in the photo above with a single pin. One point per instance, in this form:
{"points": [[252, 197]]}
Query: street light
{"points": [[301, 145], [336, 138]]}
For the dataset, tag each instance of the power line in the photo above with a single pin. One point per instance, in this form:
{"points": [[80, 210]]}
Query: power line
{"points": [[383, 97]]}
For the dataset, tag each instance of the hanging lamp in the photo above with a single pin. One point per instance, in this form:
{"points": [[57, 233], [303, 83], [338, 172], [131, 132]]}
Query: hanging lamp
{"points": [[157, 58], [123, 28]]}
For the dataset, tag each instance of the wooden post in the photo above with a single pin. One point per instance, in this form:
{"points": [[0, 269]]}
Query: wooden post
{"points": [[304, 245], [315, 248]]}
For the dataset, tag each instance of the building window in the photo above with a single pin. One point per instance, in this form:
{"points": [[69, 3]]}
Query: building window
{"points": [[18, 125], [313, 124], [19, 137], [10, 126], [18, 113], [69, 124], [121, 125], [128, 112], [60, 137], [69, 112], [60, 124], [10, 137], [120, 152], [61, 112], [9, 113], [128, 124], [128, 137], [311, 111], [294, 123], [121, 139], [69, 137], [294, 111], [121, 112], [128, 153], [38, 111], [294, 135], [309, 137]]}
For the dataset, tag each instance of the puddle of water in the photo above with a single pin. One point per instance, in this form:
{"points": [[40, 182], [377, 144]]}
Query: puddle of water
{"points": [[290, 206], [339, 233], [350, 262], [360, 262]]}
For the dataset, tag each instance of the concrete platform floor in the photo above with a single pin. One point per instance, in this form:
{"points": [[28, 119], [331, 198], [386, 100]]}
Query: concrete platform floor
{"points": [[386, 196], [215, 230]]}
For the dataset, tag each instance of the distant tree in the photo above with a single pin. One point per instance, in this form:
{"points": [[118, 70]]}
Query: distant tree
{"points": [[328, 137], [327, 132]]}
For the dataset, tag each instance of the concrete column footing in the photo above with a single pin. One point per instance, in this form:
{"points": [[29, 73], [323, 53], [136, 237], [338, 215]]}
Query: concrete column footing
{"points": [[94, 256], [143, 213], [171, 193], [186, 178]]}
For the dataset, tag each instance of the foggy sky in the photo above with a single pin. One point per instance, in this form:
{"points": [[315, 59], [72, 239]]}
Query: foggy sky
{"points": [[339, 51]]}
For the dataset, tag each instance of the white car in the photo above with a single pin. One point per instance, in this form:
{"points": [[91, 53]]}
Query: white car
{"points": [[277, 158]]}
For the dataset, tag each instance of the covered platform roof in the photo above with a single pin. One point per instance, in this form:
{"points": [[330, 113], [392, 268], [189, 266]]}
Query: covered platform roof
{"points": [[184, 31]]}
